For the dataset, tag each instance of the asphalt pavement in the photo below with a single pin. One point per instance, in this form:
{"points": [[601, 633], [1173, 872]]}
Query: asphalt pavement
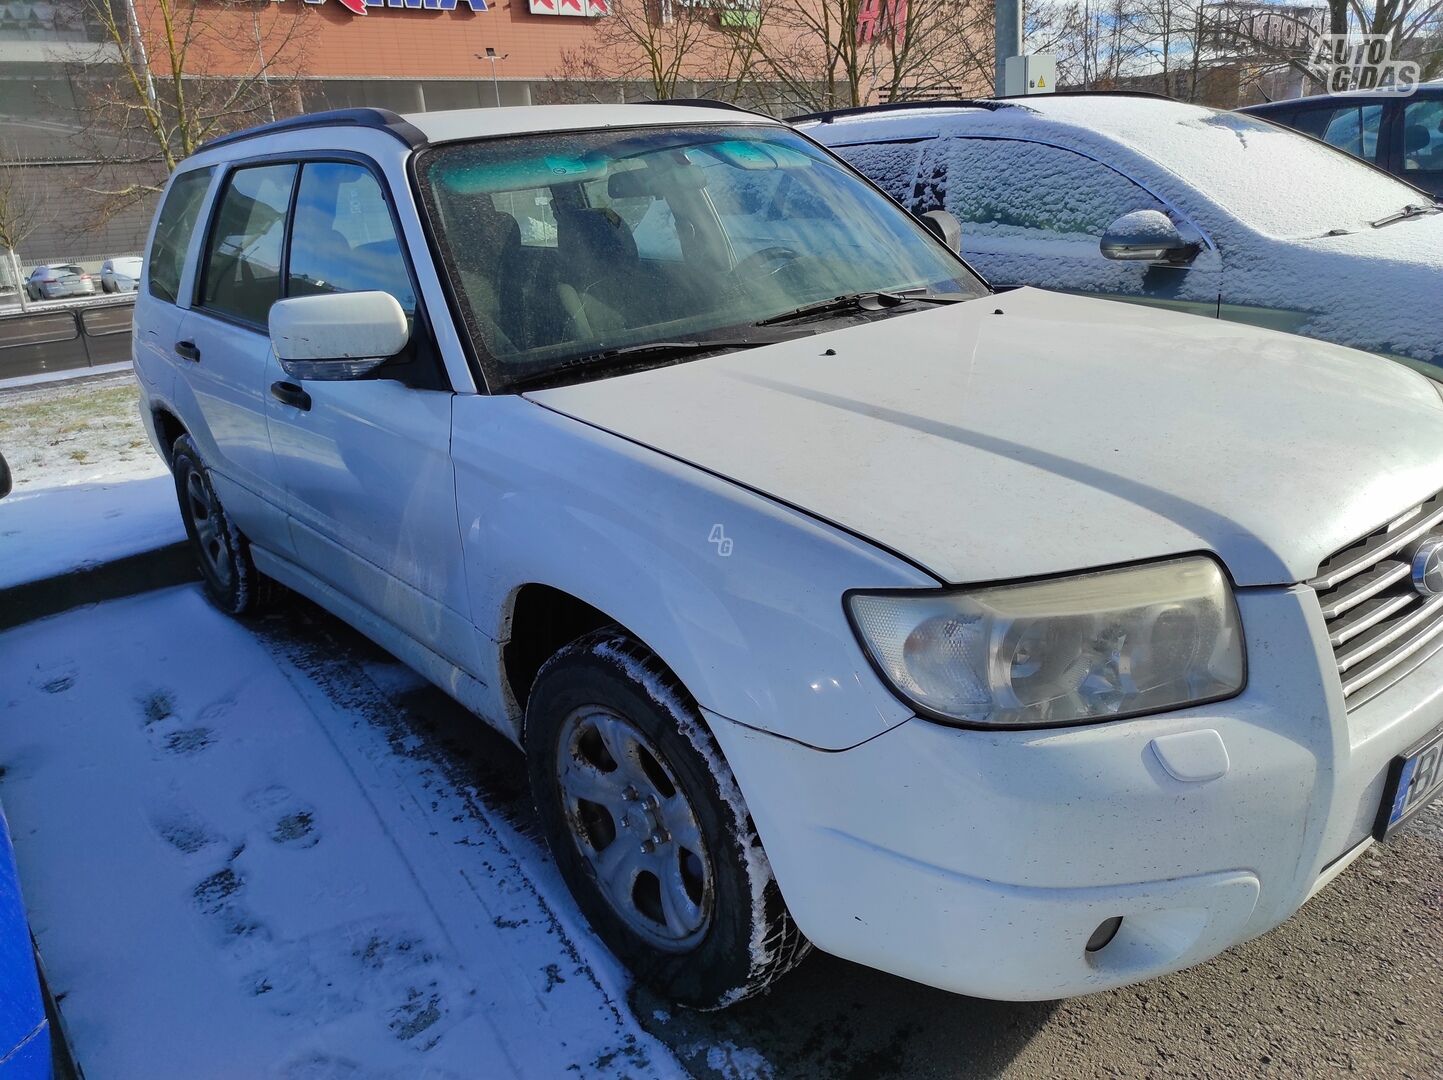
{"points": [[1352, 985]]}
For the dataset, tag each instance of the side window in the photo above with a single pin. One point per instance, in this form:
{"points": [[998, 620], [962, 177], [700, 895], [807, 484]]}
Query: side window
{"points": [[173, 231], [243, 255], [1006, 188], [1423, 135], [343, 238], [1353, 128], [892, 166]]}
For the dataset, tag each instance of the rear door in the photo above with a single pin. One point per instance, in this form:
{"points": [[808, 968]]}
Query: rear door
{"points": [[223, 354], [160, 310]]}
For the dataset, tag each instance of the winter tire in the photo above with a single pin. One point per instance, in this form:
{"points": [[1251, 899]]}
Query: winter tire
{"points": [[222, 551], [649, 828]]}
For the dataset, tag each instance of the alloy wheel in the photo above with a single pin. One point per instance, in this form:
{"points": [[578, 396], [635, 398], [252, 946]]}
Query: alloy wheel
{"points": [[635, 827], [210, 536]]}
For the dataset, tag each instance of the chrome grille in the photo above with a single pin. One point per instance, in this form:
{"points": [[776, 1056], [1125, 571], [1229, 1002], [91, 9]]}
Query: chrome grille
{"points": [[1380, 626]]}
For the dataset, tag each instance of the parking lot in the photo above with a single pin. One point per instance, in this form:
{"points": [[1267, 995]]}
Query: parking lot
{"points": [[261, 758]]}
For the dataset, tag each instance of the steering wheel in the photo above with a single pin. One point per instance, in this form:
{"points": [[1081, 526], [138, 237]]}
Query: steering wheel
{"points": [[767, 260]]}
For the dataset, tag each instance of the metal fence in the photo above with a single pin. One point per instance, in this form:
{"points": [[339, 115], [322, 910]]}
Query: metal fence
{"points": [[62, 338]]}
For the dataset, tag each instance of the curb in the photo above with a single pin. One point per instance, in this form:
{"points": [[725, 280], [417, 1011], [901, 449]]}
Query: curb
{"points": [[159, 568]]}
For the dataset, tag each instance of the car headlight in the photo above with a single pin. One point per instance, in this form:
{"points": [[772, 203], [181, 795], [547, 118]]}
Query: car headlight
{"points": [[1064, 651]]}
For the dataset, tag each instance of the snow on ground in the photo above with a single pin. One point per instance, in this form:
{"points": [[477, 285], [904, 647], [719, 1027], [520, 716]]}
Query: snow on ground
{"points": [[88, 485], [76, 432], [242, 859], [51, 531]]}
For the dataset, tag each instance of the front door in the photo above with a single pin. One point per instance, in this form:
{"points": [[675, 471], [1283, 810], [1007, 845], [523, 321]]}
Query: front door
{"points": [[1034, 214], [365, 465]]}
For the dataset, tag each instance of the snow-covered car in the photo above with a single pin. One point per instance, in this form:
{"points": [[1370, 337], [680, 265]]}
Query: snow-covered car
{"points": [[1402, 133], [59, 281], [1164, 203], [1024, 645], [121, 274]]}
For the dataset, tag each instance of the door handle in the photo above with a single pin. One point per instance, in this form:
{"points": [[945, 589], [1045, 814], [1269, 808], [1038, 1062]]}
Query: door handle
{"points": [[186, 350], [288, 393]]}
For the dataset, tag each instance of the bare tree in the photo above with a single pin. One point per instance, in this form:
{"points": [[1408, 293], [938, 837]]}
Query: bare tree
{"points": [[192, 70], [656, 44], [24, 199], [839, 53]]}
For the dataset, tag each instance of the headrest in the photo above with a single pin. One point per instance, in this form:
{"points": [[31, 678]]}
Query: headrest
{"points": [[1415, 138], [588, 240], [480, 234]]}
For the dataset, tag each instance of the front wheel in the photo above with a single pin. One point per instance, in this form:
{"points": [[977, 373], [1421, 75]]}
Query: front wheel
{"points": [[649, 828], [222, 551]]}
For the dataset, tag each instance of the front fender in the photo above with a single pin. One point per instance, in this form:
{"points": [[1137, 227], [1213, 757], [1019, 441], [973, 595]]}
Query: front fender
{"points": [[740, 596]]}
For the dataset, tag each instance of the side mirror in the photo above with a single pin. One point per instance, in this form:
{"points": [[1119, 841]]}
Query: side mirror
{"points": [[4, 477], [1147, 236], [945, 227], [337, 335]]}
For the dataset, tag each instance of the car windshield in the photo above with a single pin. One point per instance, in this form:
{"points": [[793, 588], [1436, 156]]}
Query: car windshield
{"points": [[565, 246]]}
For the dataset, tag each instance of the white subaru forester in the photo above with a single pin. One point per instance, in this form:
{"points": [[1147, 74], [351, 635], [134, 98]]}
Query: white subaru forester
{"points": [[1024, 645]]}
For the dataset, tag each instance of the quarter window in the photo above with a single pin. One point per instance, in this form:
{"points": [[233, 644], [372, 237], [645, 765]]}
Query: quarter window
{"points": [[173, 231], [243, 256], [344, 238]]}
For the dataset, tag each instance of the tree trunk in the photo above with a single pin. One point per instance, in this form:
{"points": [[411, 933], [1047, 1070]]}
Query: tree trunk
{"points": [[14, 259]]}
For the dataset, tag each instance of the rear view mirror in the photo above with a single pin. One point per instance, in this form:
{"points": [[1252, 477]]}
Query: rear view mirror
{"points": [[1146, 236], [4, 477], [337, 335], [945, 227]]}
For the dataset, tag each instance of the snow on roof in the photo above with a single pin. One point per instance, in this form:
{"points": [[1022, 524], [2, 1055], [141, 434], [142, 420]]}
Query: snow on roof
{"points": [[454, 124], [1275, 181]]}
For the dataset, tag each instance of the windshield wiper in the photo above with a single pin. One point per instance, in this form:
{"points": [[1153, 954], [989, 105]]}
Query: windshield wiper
{"points": [[629, 354], [862, 301], [1412, 210]]}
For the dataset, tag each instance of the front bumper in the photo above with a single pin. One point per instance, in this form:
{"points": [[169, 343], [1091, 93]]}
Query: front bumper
{"points": [[981, 861]]}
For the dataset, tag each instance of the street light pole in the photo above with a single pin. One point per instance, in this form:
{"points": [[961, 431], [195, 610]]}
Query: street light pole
{"points": [[491, 55]]}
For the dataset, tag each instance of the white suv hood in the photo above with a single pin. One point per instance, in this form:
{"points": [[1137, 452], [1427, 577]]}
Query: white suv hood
{"points": [[1058, 434]]}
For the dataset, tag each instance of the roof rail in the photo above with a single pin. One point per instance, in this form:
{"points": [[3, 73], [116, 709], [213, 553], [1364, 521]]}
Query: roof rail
{"points": [[828, 115], [376, 119], [1009, 101], [703, 103]]}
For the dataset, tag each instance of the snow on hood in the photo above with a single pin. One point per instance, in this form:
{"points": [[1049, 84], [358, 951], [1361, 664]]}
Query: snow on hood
{"points": [[1063, 435]]}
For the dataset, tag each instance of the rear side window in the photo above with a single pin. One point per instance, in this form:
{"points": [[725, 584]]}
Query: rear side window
{"points": [[343, 238], [243, 255], [173, 231]]}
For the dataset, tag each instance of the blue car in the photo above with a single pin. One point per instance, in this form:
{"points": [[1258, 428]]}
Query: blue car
{"points": [[24, 1029]]}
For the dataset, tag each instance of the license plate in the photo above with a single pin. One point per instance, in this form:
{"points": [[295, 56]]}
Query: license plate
{"points": [[1414, 779]]}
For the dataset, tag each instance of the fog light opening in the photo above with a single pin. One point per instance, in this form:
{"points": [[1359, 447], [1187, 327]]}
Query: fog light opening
{"points": [[1103, 935]]}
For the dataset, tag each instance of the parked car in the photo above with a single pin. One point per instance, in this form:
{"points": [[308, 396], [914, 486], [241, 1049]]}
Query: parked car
{"points": [[58, 281], [1402, 134], [120, 275], [24, 1028], [1022, 645], [1158, 202]]}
